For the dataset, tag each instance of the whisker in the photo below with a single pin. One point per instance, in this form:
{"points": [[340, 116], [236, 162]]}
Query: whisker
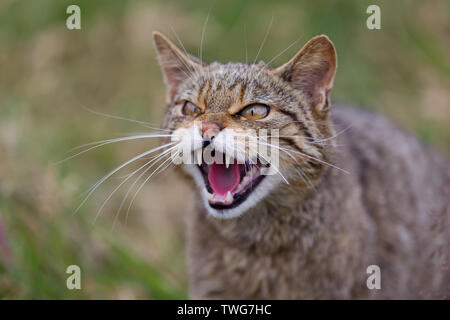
{"points": [[311, 157], [325, 144], [142, 123], [335, 135], [246, 46], [145, 181], [117, 188], [98, 183], [189, 68], [305, 178], [279, 54], [279, 172], [154, 160], [283, 51], [139, 177], [302, 174], [203, 35], [318, 140], [321, 161], [264, 40], [109, 141]]}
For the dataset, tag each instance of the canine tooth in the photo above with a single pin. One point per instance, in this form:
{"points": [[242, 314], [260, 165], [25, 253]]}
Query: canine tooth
{"points": [[239, 188], [210, 196], [229, 197], [198, 156], [227, 160]]}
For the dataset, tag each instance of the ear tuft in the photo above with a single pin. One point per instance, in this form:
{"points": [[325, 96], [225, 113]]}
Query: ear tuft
{"points": [[312, 71], [175, 64]]}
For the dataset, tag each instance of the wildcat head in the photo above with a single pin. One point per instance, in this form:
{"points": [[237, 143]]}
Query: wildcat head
{"points": [[248, 132]]}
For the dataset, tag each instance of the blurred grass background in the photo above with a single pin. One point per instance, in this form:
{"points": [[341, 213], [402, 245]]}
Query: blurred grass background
{"points": [[48, 74]]}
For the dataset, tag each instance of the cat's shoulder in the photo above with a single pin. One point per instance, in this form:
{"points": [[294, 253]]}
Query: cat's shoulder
{"points": [[368, 128], [377, 142]]}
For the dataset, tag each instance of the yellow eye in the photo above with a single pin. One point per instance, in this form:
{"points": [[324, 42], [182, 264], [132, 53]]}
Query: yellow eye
{"points": [[190, 109], [255, 111]]}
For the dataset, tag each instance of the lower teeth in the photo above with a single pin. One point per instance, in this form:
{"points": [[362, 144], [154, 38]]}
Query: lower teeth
{"points": [[228, 199]]}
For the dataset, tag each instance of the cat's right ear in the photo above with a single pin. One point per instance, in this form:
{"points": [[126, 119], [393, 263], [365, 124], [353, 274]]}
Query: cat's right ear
{"points": [[176, 65]]}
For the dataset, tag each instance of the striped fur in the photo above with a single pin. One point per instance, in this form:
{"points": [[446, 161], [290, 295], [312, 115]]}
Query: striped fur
{"points": [[314, 237]]}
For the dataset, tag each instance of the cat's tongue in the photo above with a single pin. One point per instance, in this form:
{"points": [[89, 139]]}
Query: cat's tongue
{"points": [[223, 179]]}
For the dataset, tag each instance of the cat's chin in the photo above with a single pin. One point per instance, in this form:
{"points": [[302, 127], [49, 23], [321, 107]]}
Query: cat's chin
{"points": [[246, 195]]}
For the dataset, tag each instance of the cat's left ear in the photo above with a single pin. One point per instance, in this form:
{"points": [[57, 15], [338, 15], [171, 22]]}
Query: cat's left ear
{"points": [[176, 65], [312, 71]]}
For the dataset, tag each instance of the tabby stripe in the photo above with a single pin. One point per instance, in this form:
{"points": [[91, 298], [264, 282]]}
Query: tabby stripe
{"points": [[242, 92], [311, 162], [297, 123], [234, 85], [207, 91], [200, 91]]}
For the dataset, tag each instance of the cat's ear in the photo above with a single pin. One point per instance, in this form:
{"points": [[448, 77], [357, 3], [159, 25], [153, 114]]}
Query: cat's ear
{"points": [[312, 71], [176, 65]]}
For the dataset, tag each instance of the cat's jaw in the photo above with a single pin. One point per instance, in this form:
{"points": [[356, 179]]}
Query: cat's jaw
{"points": [[231, 174], [257, 194]]}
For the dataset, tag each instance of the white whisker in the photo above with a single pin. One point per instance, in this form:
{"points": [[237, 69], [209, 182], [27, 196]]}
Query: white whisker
{"points": [[142, 123], [313, 140], [109, 141], [278, 171], [98, 183], [319, 160], [283, 51], [246, 46], [145, 181], [279, 54], [203, 35], [155, 160], [301, 173], [264, 40], [311, 157], [117, 188], [334, 136], [189, 68], [304, 177]]}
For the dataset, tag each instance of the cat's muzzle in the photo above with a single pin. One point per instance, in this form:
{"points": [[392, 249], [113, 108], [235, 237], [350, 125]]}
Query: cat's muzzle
{"points": [[229, 185]]}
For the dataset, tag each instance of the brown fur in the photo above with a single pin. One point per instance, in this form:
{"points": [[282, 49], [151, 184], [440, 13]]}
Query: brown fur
{"points": [[299, 242]]}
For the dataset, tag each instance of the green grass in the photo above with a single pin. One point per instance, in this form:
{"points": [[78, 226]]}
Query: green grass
{"points": [[48, 75]]}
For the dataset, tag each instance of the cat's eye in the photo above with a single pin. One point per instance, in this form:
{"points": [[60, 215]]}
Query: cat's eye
{"points": [[255, 111], [190, 109]]}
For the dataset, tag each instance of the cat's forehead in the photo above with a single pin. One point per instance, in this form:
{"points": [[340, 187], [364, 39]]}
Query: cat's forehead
{"points": [[229, 81], [229, 72], [217, 85]]}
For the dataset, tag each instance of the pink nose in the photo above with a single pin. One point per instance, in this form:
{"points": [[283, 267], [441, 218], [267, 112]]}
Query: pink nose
{"points": [[210, 129]]}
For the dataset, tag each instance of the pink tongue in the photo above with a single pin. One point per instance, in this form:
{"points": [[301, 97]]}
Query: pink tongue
{"points": [[223, 179]]}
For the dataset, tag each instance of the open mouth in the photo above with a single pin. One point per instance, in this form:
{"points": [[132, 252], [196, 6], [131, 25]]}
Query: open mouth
{"points": [[227, 187]]}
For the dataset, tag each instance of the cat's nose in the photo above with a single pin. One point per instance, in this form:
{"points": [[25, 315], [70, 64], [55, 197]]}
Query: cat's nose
{"points": [[210, 129]]}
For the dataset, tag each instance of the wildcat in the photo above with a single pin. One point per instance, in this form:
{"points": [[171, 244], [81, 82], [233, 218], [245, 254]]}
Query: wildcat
{"points": [[340, 201]]}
